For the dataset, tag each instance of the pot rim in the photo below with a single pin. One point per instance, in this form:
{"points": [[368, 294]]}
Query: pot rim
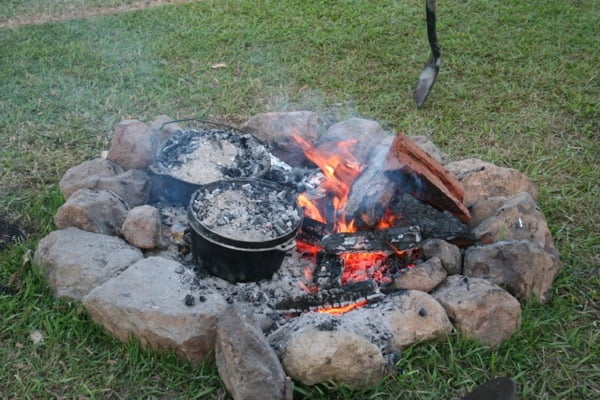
{"points": [[158, 168], [283, 242]]}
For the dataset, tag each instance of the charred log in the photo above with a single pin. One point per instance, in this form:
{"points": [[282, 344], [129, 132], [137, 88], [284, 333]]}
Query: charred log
{"points": [[312, 231], [432, 222], [393, 239], [333, 297]]}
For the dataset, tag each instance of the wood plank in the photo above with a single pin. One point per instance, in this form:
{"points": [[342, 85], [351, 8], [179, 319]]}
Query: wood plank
{"points": [[405, 160]]}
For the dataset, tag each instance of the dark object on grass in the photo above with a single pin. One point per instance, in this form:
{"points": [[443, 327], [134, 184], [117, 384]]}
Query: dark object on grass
{"points": [[7, 291], [430, 72], [9, 233], [495, 389]]}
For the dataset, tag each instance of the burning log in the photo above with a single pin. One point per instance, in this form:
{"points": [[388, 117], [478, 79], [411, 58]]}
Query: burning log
{"points": [[393, 239], [440, 189], [372, 190], [333, 297]]}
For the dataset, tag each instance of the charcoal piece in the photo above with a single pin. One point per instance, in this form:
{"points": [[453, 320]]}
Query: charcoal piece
{"points": [[189, 300], [432, 222], [312, 231], [328, 271], [333, 297], [393, 239]]}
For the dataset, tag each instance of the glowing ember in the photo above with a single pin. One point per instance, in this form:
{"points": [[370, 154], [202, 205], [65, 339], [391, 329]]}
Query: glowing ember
{"points": [[343, 309], [362, 266]]}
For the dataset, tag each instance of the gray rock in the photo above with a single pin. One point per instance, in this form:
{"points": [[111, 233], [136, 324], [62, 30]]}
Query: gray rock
{"points": [[482, 180], [86, 175], [313, 356], [132, 146], [278, 128], [428, 147], [142, 228], [424, 276], [366, 132], [162, 128], [484, 208], [417, 317], [146, 301], [479, 309], [247, 364], [96, 211], [448, 254], [75, 261], [133, 186], [518, 218], [521, 266]]}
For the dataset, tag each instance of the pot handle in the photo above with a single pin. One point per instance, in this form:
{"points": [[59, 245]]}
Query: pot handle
{"points": [[287, 246]]}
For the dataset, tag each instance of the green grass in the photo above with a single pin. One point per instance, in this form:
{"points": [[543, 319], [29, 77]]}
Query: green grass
{"points": [[518, 88]]}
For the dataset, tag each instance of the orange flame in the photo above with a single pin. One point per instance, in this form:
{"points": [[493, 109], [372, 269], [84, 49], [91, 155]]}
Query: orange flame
{"points": [[340, 168]]}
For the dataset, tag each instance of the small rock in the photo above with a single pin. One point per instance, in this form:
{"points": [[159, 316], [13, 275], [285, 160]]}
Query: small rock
{"points": [[366, 132], [416, 317], [36, 337], [428, 147], [133, 186], [312, 356], [86, 175], [162, 128], [448, 254], [142, 228], [96, 211], [424, 277], [483, 180], [278, 129], [132, 146], [521, 266], [519, 218], [247, 364], [479, 309]]}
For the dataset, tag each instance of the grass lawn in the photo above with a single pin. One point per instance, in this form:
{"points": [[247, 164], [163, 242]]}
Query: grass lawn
{"points": [[518, 87]]}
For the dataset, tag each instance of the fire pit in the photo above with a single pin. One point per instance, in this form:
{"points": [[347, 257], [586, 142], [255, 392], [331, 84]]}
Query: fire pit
{"points": [[241, 229], [395, 248]]}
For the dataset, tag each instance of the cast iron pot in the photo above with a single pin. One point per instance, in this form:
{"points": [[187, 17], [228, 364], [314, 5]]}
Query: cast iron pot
{"points": [[169, 189], [237, 260]]}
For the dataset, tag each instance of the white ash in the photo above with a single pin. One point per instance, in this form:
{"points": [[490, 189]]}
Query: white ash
{"points": [[206, 162], [245, 213], [208, 155]]}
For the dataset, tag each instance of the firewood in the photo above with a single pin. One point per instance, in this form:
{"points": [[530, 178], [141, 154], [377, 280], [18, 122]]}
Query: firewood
{"points": [[440, 189], [393, 239]]}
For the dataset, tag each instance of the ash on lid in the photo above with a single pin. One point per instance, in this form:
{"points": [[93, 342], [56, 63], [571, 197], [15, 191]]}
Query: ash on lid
{"points": [[246, 212]]}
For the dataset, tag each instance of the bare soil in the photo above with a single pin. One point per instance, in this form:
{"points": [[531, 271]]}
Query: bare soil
{"points": [[85, 13]]}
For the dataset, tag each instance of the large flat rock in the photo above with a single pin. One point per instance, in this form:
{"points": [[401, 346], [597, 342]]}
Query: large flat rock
{"points": [[146, 301], [75, 261]]}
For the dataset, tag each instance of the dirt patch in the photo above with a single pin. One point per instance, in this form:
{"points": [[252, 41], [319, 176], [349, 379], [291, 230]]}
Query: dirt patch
{"points": [[85, 13]]}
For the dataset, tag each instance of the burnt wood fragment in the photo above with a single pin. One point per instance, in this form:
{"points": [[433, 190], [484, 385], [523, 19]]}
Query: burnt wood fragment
{"points": [[328, 272], [312, 231], [392, 239], [433, 223], [440, 188], [333, 297]]}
